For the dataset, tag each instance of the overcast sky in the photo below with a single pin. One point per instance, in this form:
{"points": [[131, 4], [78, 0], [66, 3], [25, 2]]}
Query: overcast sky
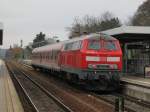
{"points": [[23, 19]]}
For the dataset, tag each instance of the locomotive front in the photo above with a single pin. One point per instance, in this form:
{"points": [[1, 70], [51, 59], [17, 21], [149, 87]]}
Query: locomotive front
{"points": [[102, 62]]}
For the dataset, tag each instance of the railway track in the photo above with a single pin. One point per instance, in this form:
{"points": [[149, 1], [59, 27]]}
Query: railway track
{"points": [[76, 100], [131, 104], [112, 100], [19, 76], [26, 101], [34, 109]]}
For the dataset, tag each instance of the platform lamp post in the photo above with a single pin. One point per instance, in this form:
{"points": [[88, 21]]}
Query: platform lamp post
{"points": [[21, 45]]}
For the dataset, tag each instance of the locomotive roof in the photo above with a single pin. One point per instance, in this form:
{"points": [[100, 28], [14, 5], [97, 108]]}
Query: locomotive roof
{"points": [[58, 46], [92, 36]]}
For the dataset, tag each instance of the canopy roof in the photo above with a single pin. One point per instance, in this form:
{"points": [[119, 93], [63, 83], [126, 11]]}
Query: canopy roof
{"points": [[130, 33]]}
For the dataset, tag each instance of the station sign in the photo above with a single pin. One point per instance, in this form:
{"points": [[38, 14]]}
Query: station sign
{"points": [[1, 37], [1, 33]]}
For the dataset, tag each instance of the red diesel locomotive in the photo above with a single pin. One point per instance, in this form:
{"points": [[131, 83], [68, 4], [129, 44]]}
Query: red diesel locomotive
{"points": [[94, 61]]}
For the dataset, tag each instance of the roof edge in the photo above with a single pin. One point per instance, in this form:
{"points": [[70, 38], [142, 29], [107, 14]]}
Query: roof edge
{"points": [[128, 30]]}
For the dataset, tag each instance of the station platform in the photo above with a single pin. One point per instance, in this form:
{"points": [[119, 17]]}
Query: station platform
{"points": [[145, 82], [136, 87], [9, 100]]}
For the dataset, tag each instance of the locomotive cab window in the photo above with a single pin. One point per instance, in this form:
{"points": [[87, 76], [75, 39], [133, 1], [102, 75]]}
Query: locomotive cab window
{"points": [[68, 46], [94, 45], [110, 45], [76, 45]]}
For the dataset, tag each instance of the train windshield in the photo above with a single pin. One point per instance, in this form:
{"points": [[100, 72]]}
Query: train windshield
{"points": [[94, 45], [110, 45]]}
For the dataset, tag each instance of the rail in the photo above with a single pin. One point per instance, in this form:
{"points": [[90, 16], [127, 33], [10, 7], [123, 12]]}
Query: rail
{"points": [[55, 99]]}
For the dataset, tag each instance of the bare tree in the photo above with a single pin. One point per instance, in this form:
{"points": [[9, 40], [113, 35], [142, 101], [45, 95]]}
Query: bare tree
{"points": [[90, 24], [75, 29]]}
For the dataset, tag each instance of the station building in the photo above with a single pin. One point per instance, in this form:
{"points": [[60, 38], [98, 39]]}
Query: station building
{"points": [[135, 43], [1, 33]]}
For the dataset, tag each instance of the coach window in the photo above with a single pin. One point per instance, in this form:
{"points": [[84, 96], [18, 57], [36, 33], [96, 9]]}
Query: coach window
{"points": [[47, 56], [57, 52], [55, 55], [42, 55], [50, 55]]}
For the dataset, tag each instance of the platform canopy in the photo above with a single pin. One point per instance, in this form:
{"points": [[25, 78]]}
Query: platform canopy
{"points": [[1, 33], [130, 33]]}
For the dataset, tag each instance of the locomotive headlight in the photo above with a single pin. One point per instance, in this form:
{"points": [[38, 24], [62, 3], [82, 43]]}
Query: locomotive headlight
{"points": [[113, 59], [92, 58]]}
